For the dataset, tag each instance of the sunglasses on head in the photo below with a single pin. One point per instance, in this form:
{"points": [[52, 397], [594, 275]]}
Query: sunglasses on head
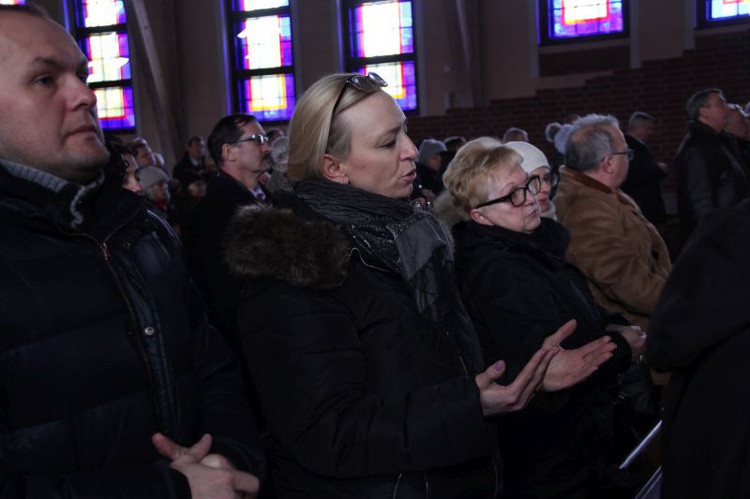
{"points": [[364, 83]]}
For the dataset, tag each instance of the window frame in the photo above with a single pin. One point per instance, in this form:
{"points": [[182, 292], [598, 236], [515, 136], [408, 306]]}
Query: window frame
{"points": [[544, 27], [81, 35], [238, 75], [351, 62]]}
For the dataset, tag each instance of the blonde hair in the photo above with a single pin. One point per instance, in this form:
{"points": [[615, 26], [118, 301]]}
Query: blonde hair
{"points": [[474, 169], [313, 131]]}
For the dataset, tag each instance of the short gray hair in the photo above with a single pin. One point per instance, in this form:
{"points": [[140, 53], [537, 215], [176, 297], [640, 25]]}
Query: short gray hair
{"points": [[590, 141]]}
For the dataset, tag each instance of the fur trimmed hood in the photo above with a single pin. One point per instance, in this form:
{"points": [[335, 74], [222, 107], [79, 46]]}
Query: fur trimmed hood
{"points": [[278, 244]]}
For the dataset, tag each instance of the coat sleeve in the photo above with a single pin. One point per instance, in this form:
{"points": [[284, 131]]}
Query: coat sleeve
{"points": [[222, 403], [311, 371], [705, 301], [611, 259], [698, 181]]}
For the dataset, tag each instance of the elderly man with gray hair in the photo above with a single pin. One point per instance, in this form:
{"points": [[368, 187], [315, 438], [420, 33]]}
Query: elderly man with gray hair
{"points": [[621, 254]]}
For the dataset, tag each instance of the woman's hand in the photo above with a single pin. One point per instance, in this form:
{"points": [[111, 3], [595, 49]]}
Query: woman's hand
{"points": [[570, 367], [498, 399]]}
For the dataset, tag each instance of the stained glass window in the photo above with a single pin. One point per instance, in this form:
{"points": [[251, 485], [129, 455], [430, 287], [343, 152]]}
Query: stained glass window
{"points": [[12, 2], [380, 38], [712, 11], [263, 63], [573, 19], [101, 31]]}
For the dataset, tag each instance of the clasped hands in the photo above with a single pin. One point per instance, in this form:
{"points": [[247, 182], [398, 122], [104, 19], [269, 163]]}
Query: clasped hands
{"points": [[211, 476], [551, 368]]}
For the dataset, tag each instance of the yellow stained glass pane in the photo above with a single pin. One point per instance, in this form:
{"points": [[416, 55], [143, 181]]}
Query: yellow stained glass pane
{"points": [[110, 102]]}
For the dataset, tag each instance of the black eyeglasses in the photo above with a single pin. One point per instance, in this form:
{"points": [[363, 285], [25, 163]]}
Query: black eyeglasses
{"points": [[258, 138], [551, 179], [627, 152], [364, 83], [517, 197]]}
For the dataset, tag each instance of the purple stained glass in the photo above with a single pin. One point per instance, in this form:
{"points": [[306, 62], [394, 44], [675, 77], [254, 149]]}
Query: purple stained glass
{"points": [[94, 13], [12, 2], [252, 5], [109, 56], [402, 81], [580, 18], [268, 97], [265, 42], [116, 108], [382, 28]]}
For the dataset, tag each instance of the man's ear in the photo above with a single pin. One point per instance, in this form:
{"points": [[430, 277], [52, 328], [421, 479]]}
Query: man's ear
{"points": [[607, 166], [227, 153], [333, 170]]}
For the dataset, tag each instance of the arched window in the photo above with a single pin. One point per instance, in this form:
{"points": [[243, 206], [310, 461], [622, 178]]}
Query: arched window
{"points": [[566, 20], [713, 12], [102, 34], [379, 38], [263, 66]]}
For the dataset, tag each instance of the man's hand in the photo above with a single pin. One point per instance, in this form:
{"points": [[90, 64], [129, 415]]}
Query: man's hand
{"points": [[209, 475], [498, 399]]}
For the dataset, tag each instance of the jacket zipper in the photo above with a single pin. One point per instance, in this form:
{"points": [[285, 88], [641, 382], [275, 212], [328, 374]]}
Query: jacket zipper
{"points": [[107, 255]]}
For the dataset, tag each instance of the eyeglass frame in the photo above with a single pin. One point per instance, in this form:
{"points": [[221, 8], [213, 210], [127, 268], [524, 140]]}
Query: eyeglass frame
{"points": [[630, 153], [259, 138], [548, 179], [509, 197]]}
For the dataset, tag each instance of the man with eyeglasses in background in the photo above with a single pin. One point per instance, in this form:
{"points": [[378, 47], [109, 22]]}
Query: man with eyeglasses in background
{"points": [[619, 251], [240, 149]]}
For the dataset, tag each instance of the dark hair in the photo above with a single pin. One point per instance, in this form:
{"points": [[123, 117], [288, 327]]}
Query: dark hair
{"points": [[227, 130], [589, 141], [699, 100], [194, 138]]}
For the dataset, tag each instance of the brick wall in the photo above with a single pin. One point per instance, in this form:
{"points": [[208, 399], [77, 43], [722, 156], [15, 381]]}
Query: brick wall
{"points": [[660, 88]]}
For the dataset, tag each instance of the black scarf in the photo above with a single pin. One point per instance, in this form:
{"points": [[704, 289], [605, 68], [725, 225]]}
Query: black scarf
{"points": [[392, 235]]}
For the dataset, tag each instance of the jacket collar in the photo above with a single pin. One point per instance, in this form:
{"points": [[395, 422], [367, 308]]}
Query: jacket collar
{"points": [[27, 193], [582, 178]]}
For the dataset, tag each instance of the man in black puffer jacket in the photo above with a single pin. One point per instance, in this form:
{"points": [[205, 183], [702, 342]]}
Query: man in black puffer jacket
{"points": [[109, 370]]}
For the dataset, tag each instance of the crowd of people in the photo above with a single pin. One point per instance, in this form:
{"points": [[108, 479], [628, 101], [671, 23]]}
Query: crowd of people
{"points": [[331, 311]]}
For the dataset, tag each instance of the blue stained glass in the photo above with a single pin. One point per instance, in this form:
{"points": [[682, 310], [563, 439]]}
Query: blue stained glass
{"points": [[580, 18], [727, 9]]}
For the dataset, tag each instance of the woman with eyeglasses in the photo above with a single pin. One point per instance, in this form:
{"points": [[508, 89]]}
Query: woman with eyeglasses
{"points": [[535, 163], [517, 287], [367, 368]]}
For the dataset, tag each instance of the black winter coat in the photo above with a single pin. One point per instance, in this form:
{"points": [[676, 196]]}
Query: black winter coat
{"points": [[202, 234], [700, 332], [103, 344], [709, 176], [643, 183], [359, 401], [518, 289]]}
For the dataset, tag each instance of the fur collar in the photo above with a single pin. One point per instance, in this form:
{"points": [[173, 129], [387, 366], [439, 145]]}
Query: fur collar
{"points": [[278, 244]]}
